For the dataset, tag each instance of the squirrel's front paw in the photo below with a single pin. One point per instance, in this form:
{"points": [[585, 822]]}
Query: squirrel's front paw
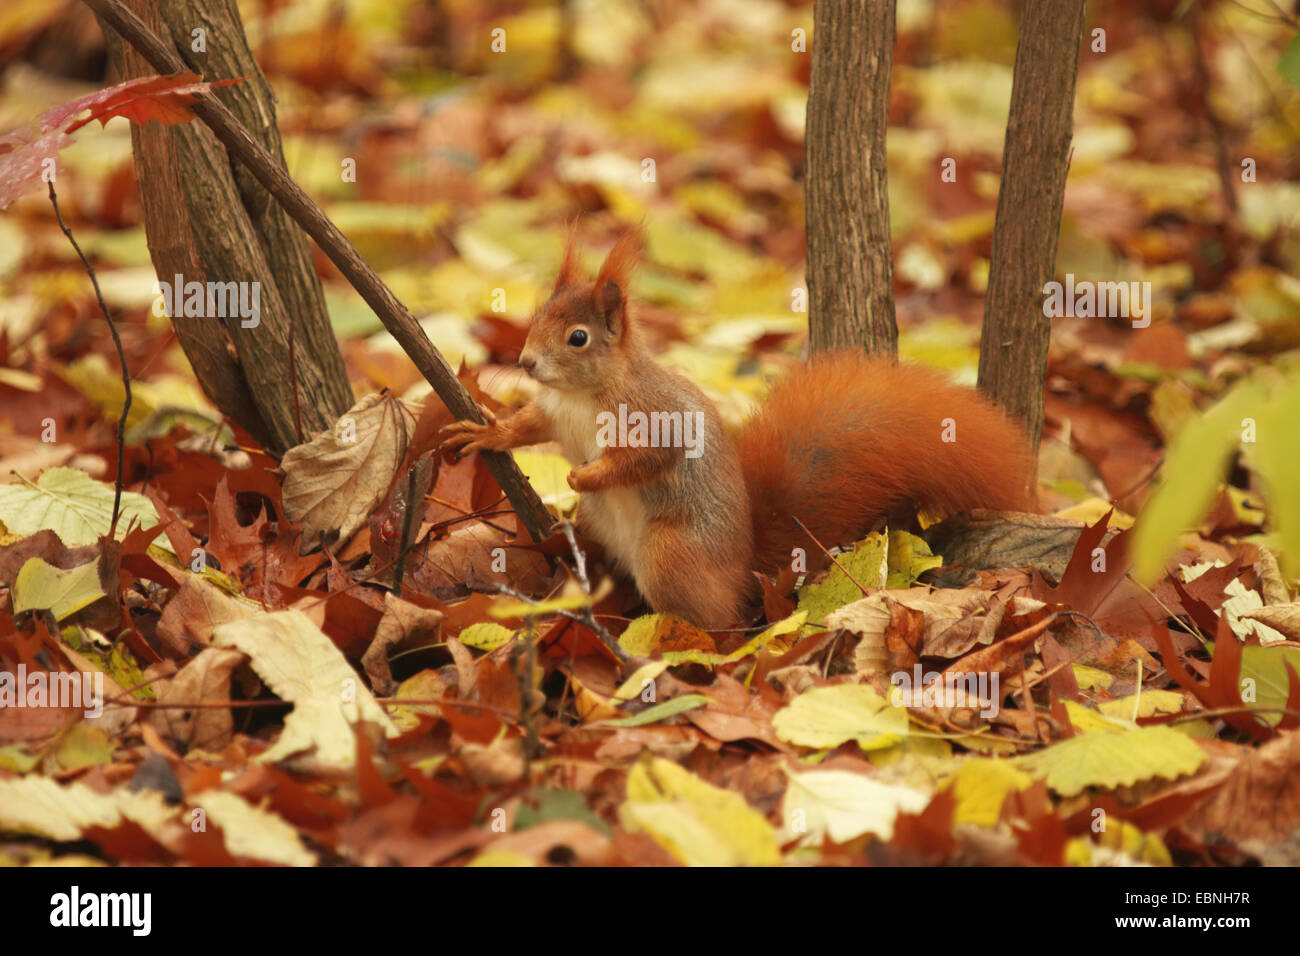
{"points": [[465, 436], [583, 479]]}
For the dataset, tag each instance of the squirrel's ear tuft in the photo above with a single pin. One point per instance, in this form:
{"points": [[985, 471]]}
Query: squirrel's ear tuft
{"points": [[621, 260], [568, 275]]}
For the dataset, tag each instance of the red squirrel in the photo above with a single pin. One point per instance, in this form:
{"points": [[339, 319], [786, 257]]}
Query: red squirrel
{"points": [[839, 443]]}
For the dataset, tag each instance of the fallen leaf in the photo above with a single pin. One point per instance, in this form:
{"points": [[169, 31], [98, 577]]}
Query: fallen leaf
{"points": [[302, 666], [335, 481]]}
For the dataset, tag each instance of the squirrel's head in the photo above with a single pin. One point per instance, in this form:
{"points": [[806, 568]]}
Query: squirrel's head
{"points": [[582, 337]]}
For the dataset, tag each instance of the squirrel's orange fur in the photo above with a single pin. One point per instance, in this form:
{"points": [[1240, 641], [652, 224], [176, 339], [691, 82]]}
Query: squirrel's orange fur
{"points": [[838, 444], [843, 441]]}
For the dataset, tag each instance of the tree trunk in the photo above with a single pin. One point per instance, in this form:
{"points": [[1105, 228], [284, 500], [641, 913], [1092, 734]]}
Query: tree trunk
{"points": [[850, 262], [207, 219], [1035, 160], [270, 173]]}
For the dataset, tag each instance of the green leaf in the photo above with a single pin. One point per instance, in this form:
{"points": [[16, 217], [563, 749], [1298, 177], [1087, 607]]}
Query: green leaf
{"points": [[1273, 456], [553, 804], [867, 563], [661, 711], [1266, 667], [1194, 466], [1289, 64]]}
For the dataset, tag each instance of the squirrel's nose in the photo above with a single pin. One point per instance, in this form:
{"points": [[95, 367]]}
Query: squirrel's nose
{"points": [[527, 362]]}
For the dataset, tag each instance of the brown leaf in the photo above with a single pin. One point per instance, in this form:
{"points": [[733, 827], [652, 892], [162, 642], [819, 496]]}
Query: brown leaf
{"points": [[402, 620], [558, 842], [334, 482], [190, 616], [1261, 799], [205, 679], [1280, 617]]}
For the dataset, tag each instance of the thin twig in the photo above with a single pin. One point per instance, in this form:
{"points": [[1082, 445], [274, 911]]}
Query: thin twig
{"points": [[587, 620], [1223, 711], [121, 357], [858, 583], [1222, 159], [580, 568], [523, 661], [400, 569], [579, 559]]}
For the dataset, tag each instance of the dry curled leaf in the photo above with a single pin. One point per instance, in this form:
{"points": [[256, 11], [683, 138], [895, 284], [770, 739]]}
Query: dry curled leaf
{"points": [[336, 480]]}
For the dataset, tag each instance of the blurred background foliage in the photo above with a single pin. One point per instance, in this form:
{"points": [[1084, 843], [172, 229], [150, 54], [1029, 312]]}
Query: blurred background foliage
{"points": [[688, 115]]}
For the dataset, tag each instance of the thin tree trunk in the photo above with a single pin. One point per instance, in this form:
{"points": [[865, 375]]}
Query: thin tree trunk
{"points": [[298, 205], [850, 261], [1035, 160], [208, 219]]}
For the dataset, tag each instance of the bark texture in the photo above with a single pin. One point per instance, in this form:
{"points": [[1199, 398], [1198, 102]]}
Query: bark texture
{"points": [[208, 219], [1035, 160], [850, 260], [269, 172]]}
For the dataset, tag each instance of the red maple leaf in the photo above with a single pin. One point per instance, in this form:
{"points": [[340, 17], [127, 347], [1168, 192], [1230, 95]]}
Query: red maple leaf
{"points": [[168, 99], [26, 154]]}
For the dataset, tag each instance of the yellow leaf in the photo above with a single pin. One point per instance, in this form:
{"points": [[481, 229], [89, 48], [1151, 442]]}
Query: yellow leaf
{"points": [[84, 746], [1086, 720], [548, 473], [1148, 703], [844, 805], [253, 832], [501, 858], [40, 806], [485, 636], [44, 587], [980, 786], [1091, 678], [789, 625], [635, 684], [829, 716], [570, 598], [303, 666], [1109, 759], [650, 633], [909, 558], [699, 824]]}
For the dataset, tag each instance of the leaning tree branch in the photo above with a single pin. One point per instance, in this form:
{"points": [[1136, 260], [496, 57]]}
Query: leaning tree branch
{"points": [[395, 316]]}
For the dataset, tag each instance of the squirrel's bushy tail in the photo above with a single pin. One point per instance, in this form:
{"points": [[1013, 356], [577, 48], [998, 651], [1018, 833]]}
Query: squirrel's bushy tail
{"points": [[848, 438]]}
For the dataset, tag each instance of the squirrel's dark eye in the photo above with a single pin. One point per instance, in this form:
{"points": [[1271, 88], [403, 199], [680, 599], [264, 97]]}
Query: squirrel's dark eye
{"points": [[578, 338]]}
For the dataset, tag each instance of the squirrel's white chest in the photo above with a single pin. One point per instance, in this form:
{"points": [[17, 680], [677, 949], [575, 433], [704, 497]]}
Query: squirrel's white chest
{"points": [[615, 517], [573, 419]]}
